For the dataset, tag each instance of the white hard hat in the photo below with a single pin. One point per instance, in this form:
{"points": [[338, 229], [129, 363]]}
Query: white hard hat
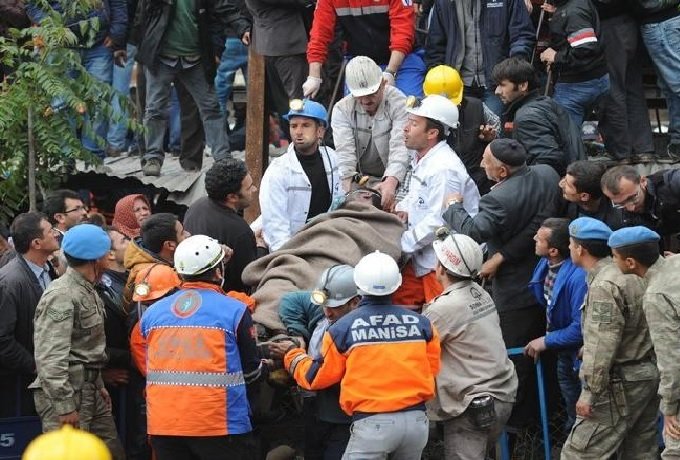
{"points": [[363, 76], [197, 254], [377, 274], [435, 107], [459, 254]]}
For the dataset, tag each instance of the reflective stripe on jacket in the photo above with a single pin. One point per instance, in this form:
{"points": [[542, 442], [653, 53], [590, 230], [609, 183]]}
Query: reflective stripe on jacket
{"points": [[386, 358], [195, 382]]}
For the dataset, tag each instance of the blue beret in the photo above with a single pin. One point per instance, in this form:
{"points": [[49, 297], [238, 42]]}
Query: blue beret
{"points": [[632, 235], [86, 242], [587, 228]]}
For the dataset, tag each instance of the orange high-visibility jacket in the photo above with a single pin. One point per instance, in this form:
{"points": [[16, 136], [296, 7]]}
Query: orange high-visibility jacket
{"points": [[386, 358]]}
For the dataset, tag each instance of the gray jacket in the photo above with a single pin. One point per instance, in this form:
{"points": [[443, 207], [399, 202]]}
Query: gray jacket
{"points": [[508, 218]]}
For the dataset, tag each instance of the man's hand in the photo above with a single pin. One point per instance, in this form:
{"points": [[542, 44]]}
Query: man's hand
{"points": [[277, 350], [671, 427], [490, 267], [106, 397], [246, 38], [548, 56], [389, 78], [584, 409], [115, 377], [228, 252], [453, 197], [311, 86], [108, 43], [487, 133], [388, 190], [418, 8], [535, 347], [259, 240], [403, 216], [120, 58], [548, 7], [72, 419], [529, 5]]}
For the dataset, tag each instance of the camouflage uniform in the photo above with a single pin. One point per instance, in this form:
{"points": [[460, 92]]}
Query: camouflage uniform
{"points": [[69, 354], [662, 308], [619, 373]]}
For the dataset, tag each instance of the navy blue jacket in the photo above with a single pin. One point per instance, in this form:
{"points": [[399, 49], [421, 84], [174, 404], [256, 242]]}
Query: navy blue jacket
{"points": [[506, 30], [564, 312], [112, 15]]}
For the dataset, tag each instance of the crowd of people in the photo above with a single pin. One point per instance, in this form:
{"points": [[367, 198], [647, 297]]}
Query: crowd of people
{"points": [[454, 215]]}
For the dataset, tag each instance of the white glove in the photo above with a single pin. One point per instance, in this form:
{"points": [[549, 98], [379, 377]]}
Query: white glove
{"points": [[389, 78], [311, 86]]}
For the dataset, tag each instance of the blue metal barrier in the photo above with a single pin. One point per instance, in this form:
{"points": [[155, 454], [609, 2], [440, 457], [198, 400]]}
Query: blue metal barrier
{"points": [[543, 407], [17, 432]]}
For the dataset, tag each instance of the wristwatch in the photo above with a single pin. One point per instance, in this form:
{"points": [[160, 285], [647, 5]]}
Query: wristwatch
{"points": [[391, 72]]}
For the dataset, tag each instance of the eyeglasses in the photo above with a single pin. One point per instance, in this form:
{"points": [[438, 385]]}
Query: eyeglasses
{"points": [[630, 200], [77, 209], [413, 102]]}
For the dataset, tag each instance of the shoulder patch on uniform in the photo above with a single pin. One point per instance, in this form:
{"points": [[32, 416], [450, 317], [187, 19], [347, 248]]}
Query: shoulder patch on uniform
{"points": [[187, 304], [58, 315], [602, 312]]}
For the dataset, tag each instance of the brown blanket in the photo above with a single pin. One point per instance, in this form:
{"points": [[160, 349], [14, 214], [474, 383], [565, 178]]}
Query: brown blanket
{"points": [[338, 237]]}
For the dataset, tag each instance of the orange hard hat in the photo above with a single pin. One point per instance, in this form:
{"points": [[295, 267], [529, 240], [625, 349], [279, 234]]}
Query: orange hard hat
{"points": [[154, 282]]}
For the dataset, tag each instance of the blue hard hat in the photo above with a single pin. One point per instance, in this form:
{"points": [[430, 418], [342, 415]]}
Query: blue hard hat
{"points": [[632, 235], [587, 228], [86, 242], [307, 108]]}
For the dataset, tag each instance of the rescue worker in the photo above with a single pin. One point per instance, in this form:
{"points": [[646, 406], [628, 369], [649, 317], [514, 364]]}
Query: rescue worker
{"points": [[559, 287], [67, 444], [616, 412], [201, 354], [477, 384], [387, 407], [479, 125], [70, 342], [437, 172], [368, 130], [303, 182], [326, 426], [636, 251]]}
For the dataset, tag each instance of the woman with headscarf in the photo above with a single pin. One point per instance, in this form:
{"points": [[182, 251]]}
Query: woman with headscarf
{"points": [[131, 211]]}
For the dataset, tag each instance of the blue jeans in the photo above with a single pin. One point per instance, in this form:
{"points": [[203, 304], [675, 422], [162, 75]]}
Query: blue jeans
{"points": [[576, 98], [158, 88], [98, 61], [174, 123], [663, 44], [234, 57], [118, 128], [570, 385]]}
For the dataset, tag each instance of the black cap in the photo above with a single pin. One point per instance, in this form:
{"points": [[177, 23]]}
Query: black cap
{"points": [[508, 151]]}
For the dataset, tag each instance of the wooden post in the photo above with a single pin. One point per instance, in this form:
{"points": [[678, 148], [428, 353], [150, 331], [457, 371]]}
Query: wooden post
{"points": [[257, 124]]}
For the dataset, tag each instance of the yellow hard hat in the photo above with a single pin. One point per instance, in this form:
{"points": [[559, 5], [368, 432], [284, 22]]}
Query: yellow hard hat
{"points": [[67, 443], [444, 81]]}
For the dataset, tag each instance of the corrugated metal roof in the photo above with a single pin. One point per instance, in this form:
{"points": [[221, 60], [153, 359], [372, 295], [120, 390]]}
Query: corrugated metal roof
{"points": [[184, 187]]}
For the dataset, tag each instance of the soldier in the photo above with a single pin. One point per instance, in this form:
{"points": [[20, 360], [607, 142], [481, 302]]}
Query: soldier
{"points": [[616, 412], [636, 251], [70, 343]]}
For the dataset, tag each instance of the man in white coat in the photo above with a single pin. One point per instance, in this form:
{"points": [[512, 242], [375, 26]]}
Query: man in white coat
{"points": [[436, 172], [303, 182]]}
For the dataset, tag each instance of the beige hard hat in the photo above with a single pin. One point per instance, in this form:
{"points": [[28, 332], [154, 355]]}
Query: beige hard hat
{"points": [[363, 76]]}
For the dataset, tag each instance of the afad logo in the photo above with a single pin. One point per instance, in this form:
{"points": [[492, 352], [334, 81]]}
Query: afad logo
{"points": [[187, 304]]}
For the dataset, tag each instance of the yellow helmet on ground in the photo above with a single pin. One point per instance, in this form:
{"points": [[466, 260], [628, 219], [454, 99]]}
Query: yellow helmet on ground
{"points": [[67, 443], [444, 81]]}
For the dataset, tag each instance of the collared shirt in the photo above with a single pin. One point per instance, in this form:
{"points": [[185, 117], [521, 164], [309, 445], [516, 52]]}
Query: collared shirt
{"points": [[41, 273]]}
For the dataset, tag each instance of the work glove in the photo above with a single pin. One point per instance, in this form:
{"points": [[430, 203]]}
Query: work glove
{"points": [[311, 86], [389, 78]]}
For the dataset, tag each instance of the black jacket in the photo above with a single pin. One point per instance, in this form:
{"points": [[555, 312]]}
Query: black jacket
{"points": [[575, 36], [208, 217], [466, 143], [509, 216], [20, 292], [153, 17], [110, 289], [662, 205], [546, 131]]}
